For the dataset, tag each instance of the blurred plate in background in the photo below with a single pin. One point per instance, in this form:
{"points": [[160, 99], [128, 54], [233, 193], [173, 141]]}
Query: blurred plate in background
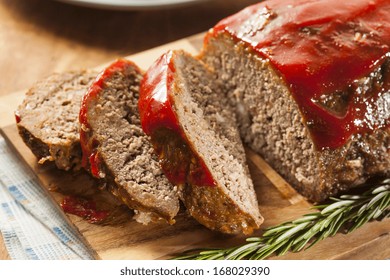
{"points": [[131, 4]]}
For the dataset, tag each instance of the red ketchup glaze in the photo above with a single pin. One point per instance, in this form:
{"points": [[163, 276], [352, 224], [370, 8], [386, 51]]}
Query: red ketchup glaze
{"points": [[17, 117], [83, 208], [156, 112], [94, 162], [318, 47], [91, 160]]}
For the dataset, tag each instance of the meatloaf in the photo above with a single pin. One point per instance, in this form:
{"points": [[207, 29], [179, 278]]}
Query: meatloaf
{"points": [[47, 120], [310, 82], [194, 133], [116, 150]]}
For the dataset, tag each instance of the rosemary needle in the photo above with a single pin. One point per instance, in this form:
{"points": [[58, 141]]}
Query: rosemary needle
{"points": [[348, 211]]}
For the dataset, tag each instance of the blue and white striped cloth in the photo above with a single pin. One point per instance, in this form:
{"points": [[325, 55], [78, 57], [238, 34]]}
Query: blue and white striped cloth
{"points": [[31, 225]]}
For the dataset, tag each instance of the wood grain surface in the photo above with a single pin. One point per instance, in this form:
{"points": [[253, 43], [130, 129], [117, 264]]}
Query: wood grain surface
{"points": [[3, 250], [38, 37]]}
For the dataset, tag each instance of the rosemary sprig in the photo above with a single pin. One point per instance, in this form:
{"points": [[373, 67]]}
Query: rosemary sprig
{"points": [[348, 212]]}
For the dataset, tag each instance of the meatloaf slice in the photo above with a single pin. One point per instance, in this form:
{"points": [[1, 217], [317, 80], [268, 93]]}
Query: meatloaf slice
{"points": [[310, 81], [47, 119], [194, 133], [116, 150]]}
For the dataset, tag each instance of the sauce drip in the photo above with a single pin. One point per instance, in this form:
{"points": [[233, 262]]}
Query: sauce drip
{"points": [[17, 117], [179, 163], [319, 48], [83, 208], [94, 162]]}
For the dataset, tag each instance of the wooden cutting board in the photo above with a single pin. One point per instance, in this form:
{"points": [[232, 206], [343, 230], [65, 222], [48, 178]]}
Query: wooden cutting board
{"points": [[122, 238]]}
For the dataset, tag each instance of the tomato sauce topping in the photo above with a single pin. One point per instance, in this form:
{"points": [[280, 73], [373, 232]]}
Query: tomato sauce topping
{"points": [[159, 120], [321, 47]]}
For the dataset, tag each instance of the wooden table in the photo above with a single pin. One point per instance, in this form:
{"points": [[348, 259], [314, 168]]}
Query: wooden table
{"points": [[39, 37]]}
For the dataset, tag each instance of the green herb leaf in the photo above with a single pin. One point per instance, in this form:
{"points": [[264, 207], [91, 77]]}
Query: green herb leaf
{"points": [[348, 211]]}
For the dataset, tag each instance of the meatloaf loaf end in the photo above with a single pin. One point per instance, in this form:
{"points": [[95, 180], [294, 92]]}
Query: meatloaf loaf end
{"points": [[194, 133], [310, 81], [116, 150], [47, 120]]}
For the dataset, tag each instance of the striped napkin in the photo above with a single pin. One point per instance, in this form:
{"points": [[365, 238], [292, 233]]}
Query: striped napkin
{"points": [[31, 225]]}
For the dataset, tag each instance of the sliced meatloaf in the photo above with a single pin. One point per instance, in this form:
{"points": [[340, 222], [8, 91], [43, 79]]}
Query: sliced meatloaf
{"points": [[310, 81], [47, 119], [194, 133], [116, 150]]}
